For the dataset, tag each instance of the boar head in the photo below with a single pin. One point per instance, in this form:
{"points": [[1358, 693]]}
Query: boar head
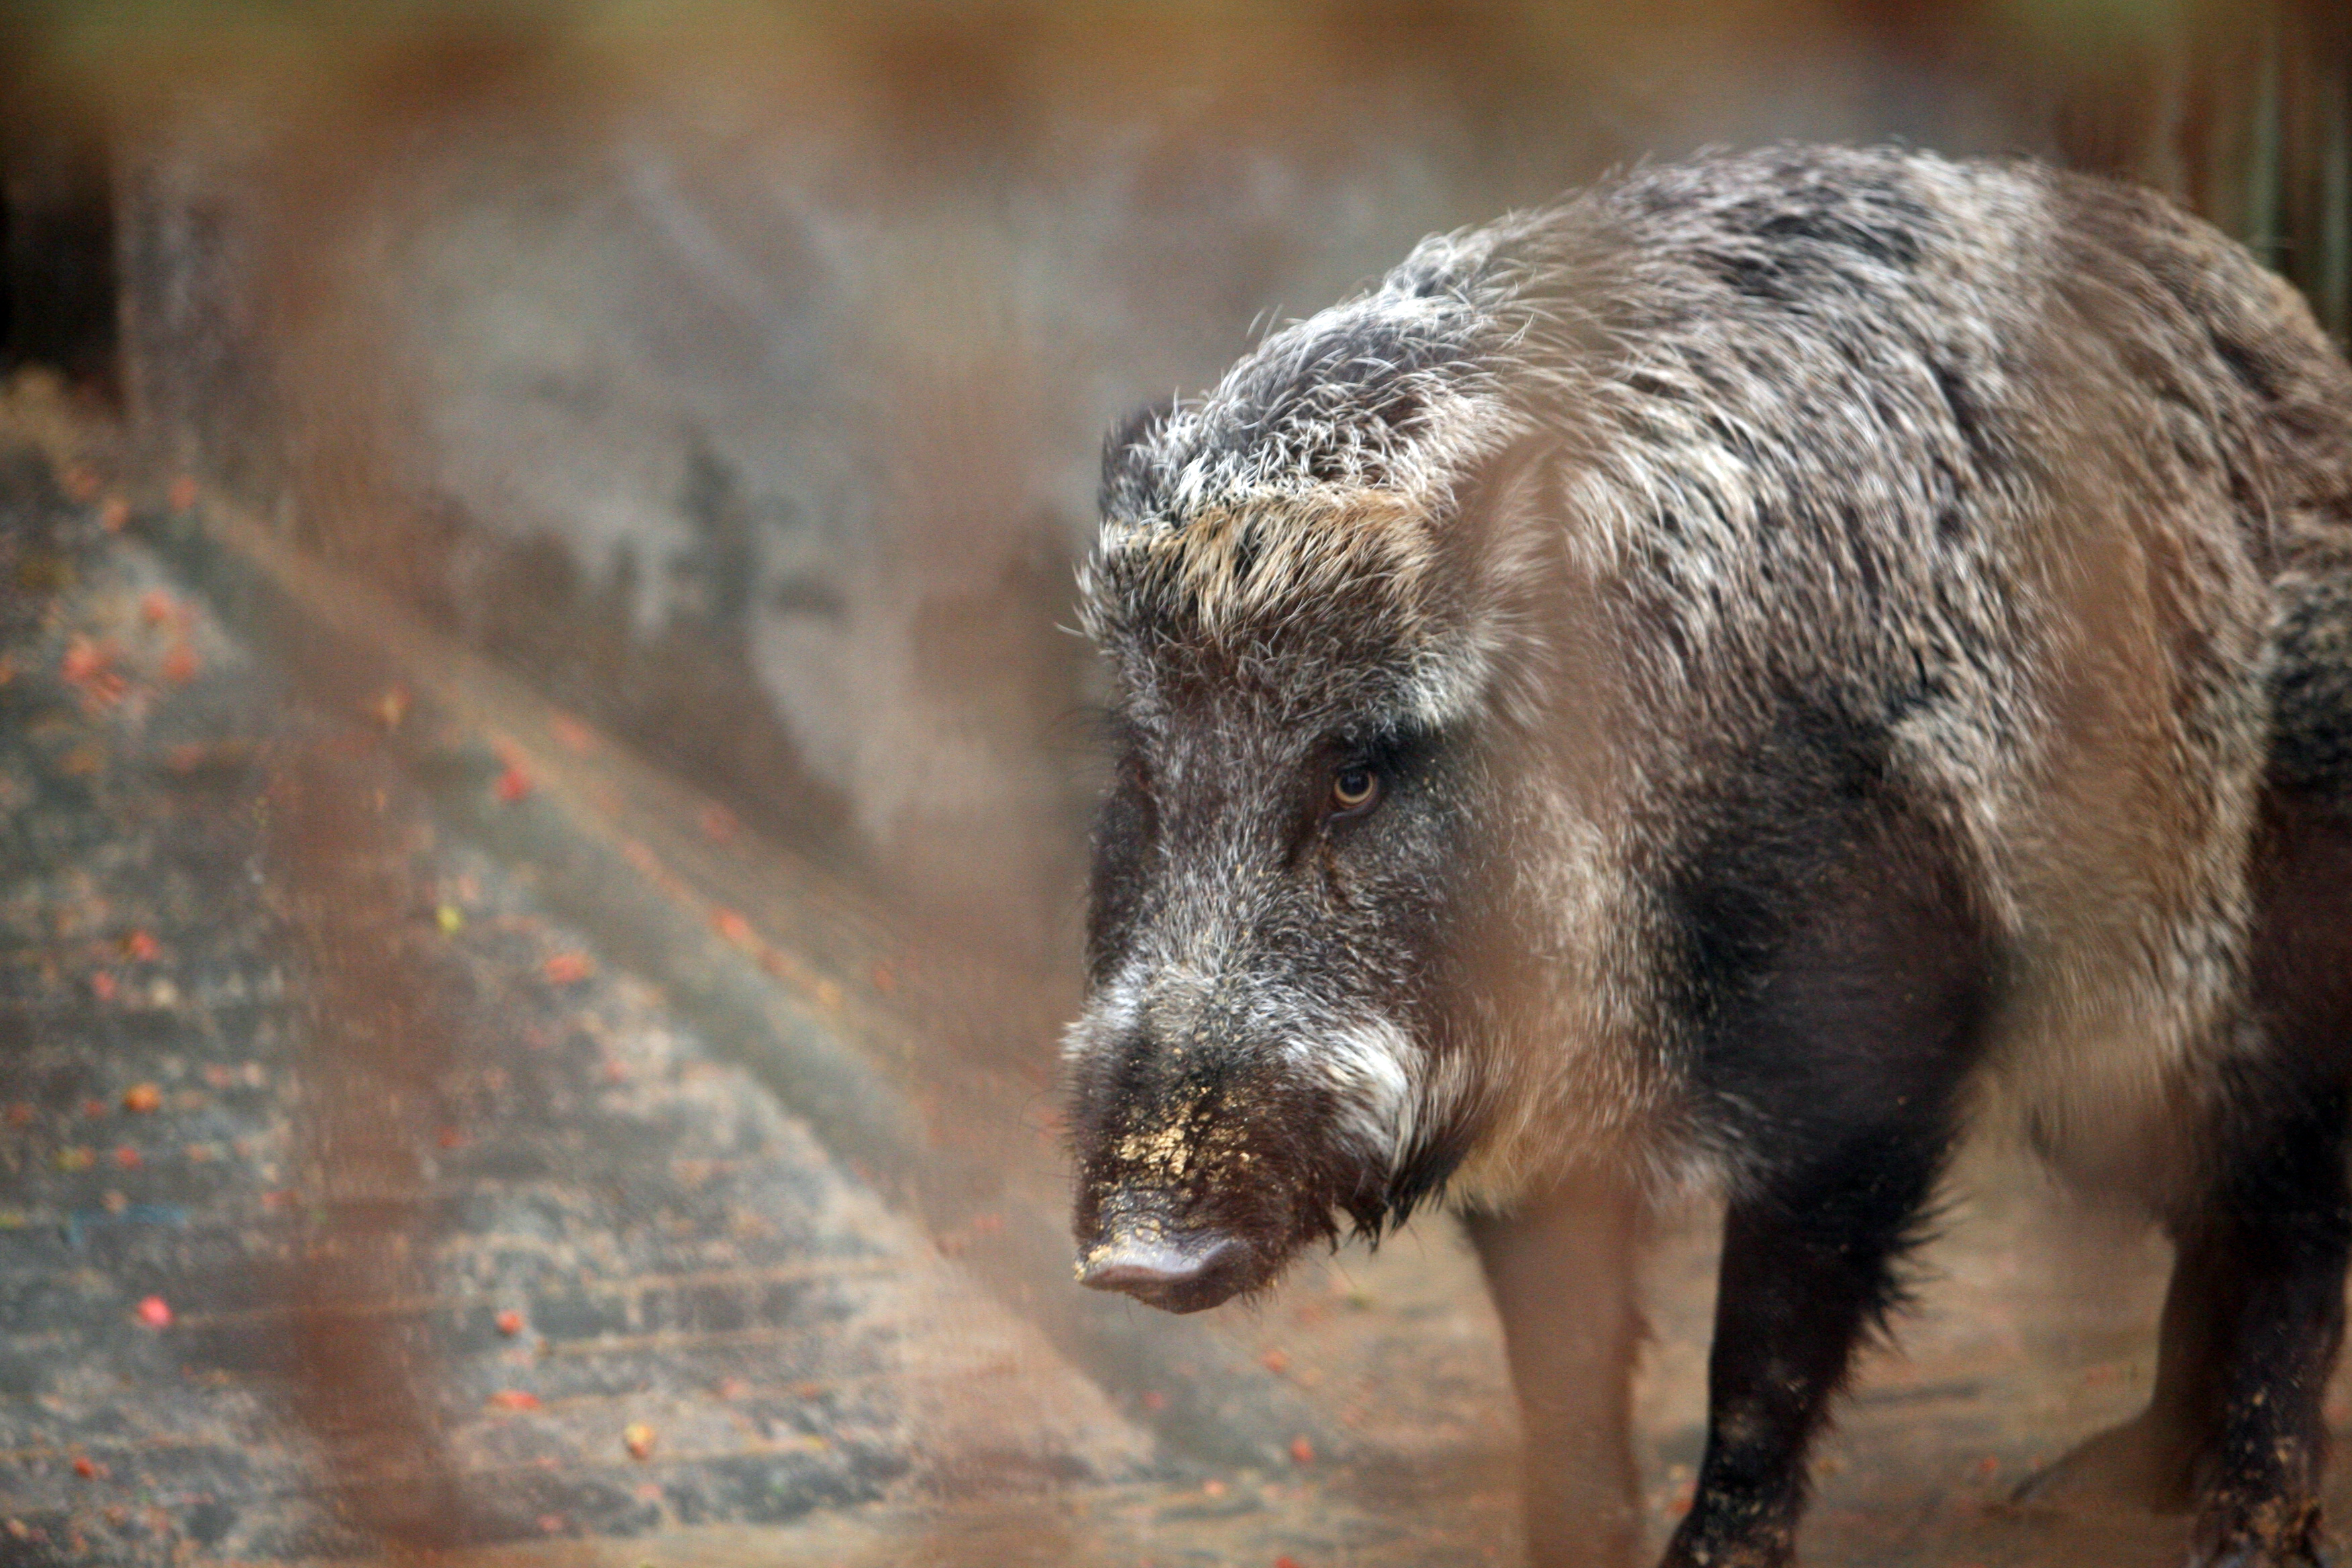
{"points": [[1312, 587]]}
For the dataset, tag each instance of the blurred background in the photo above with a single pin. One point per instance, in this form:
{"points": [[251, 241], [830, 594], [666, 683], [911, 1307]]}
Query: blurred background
{"points": [[546, 777]]}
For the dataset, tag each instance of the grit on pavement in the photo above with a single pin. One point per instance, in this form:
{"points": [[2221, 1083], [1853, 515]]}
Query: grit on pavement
{"points": [[355, 1204]]}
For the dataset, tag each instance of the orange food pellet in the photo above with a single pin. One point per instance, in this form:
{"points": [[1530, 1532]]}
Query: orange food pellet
{"points": [[139, 947], [638, 1439], [515, 1399], [513, 784], [101, 985], [564, 968], [84, 1467], [127, 1158], [1286, 1563], [1275, 1361], [1302, 1452], [156, 606], [509, 1323], [142, 1098], [84, 660], [156, 1312], [732, 926]]}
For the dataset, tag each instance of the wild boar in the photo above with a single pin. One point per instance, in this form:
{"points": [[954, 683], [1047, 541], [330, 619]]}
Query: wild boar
{"points": [[1727, 677]]}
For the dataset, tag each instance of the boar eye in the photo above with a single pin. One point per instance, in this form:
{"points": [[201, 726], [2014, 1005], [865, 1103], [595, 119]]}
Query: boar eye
{"points": [[1354, 790]]}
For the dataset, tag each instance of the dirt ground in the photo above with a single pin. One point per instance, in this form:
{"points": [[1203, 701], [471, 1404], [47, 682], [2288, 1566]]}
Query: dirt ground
{"points": [[368, 1189]]}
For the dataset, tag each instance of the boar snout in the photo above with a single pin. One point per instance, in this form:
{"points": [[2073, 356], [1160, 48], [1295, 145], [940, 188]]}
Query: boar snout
{"points": [[1177, 1271]]}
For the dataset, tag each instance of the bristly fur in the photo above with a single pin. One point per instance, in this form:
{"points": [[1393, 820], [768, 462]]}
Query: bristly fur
{"points": [[1842, 636]]}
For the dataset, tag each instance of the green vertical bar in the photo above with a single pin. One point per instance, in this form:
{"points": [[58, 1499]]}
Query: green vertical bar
{"points": [[2263, 160], [2332, 282]]}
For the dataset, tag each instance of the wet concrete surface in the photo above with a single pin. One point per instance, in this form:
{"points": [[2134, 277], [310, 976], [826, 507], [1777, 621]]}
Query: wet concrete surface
{"points": [[356, 1200]]}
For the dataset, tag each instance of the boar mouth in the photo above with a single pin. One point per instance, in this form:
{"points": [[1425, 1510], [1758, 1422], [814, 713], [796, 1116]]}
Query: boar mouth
{"points": [[1177, 1271]]}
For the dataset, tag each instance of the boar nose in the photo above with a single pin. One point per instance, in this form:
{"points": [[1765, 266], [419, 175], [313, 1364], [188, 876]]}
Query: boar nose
{"points": [[1181, 1271]]}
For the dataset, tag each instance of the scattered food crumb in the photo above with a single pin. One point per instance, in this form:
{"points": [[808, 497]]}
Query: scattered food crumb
{"points": [[89, 668], [142, 1098], [1302, 1452], [513, 784], [566, 968], [638, 1439], [515, 1399], [509, 1323], [156, 1312]]}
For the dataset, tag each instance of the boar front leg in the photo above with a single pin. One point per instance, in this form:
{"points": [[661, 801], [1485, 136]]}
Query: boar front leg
{"points": [[1806, 1267], [1560, 1267], [1845, 995]]}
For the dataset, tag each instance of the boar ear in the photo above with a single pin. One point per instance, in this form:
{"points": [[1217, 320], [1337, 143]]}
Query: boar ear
{"points": [[1126, 458], [1500, 535]]}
